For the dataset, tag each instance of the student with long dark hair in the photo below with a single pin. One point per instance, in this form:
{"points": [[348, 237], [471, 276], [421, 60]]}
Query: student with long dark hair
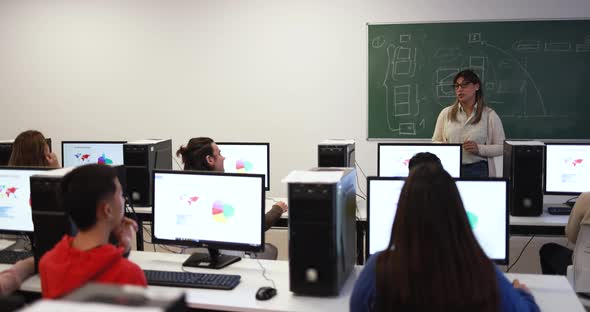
{"points": [[469, 121], [433, 261]]}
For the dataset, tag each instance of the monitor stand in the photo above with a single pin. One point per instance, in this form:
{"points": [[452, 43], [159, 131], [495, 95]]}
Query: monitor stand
{"points": [[212, 260]]}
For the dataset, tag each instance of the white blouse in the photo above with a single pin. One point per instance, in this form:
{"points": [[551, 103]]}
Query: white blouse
{"points": [[488, 133]]}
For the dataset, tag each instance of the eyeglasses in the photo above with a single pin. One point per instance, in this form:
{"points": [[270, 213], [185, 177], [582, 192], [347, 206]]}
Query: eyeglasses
{"points": [[462, 85]]}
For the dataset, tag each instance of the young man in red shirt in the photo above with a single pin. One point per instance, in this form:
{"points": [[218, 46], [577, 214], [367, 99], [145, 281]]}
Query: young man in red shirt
{"points": [[92, 196]]}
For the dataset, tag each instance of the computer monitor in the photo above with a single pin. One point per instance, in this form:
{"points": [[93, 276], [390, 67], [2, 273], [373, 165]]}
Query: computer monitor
{"points": [[208, 209], [567, 168], [15, 199], [77, 153], [393, 158], [247, 158], [485, 201]]}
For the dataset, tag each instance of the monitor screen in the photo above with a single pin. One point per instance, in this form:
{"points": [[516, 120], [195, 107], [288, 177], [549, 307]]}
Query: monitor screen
{"points": [[247, 158], [567, 168], [216, 210], [485, 201], [394, 158], [15, 199], [82, 153]]}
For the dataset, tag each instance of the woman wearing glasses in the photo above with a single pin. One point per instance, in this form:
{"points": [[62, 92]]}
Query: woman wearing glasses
{"points": [[469, 121]]}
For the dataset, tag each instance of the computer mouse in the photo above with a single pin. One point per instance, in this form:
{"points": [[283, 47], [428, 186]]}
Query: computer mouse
{"points": [[265, 293]]}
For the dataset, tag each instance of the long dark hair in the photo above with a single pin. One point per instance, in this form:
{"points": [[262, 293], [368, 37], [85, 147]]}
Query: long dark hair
{"points": [[434, 262], [469, 75], [195, 153], [28, 149]]}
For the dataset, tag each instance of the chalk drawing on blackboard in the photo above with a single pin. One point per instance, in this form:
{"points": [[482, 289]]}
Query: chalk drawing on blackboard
{"points": [[490, 85], [401, 100], [404, 62], [478, 65], [417, 101], [403, 38], [559, 46], [444, 82], [407, 128], [422, 123], [587, 39], [474, 37], [530, 79], [527, 46], [505, 63], [585, 47], [378, 42]]}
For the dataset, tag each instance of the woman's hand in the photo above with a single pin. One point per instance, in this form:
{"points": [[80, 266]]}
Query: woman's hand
{"points": [[471, 147]]}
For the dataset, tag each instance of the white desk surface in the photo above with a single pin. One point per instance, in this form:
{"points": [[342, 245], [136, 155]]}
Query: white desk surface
{"points": [[552, 293]]}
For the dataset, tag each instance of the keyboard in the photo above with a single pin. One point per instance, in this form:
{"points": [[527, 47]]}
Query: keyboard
{"points": [[12, 256], [561, 210], [193, 280]]}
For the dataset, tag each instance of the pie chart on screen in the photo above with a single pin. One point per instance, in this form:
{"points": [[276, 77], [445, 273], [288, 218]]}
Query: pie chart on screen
{"points": [[222, 212]]}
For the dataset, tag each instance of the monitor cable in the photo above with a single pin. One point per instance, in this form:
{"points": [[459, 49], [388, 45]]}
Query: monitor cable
{"points": [[521, 252]]}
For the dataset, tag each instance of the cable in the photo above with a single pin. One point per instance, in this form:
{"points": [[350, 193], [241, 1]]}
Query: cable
{"points": [[357, 178], [521, 252], [272, 199], [177, 163], [264, 274]]}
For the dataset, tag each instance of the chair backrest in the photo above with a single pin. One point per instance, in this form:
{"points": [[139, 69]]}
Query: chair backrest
{"points": [[582, 260]]}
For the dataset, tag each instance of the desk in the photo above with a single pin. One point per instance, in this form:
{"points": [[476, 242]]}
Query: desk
{"points": [[545, 224], [552, 293]]}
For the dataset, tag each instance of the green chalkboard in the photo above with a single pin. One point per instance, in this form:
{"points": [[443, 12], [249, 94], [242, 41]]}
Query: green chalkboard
{"points": [[535, 75]]}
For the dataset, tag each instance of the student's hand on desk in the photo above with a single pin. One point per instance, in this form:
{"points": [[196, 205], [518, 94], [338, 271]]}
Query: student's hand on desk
{"points": [[283, 206], [124, 232], [471, 147], [517, 284]]}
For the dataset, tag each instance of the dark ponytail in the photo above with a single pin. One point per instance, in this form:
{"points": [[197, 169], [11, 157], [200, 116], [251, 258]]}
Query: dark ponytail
{"points": [[194, 155]]}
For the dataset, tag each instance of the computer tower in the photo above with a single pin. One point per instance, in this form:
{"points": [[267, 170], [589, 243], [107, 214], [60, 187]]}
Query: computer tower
{"points": [[336, 153], [322, 250], [140, 158], [6, 150], [50, 220], [523, 166]]}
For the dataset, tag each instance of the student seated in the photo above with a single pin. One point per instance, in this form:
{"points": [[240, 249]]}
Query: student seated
{"points": [[555, 258], [92, 196], [203, 154], [434, 262], [31, 149]]}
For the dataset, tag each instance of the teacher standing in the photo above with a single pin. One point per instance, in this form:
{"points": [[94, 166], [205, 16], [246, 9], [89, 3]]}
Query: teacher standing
{"points": [[469, 121]]}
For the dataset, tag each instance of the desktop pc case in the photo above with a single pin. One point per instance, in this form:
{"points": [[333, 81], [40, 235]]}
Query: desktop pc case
{"points": [[141, 158], [6, 150], [322, 250], [523, 166], [335, 154], [49, 218]]}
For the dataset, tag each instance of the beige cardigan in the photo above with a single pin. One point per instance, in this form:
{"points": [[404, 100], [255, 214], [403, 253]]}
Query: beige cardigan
{"points": [[580, 215], [495, 135]]}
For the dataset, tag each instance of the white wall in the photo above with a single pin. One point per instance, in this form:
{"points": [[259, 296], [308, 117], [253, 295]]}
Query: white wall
{"points": [[289, 72]]}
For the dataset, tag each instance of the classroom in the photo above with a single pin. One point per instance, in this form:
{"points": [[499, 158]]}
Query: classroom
{"points": [[289, 73]]}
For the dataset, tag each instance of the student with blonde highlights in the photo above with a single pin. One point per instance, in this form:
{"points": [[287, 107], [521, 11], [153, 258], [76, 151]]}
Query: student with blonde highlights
{"points": [[31, 149], [469, 121]]}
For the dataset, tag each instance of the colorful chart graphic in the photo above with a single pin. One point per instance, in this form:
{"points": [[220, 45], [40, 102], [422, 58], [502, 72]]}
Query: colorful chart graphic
{"points": [[104, 160], [577, 162], [243, 166], [406, 162], [190, 200], [82, 157], [472, 219], [222, 212], [8, 191]]}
